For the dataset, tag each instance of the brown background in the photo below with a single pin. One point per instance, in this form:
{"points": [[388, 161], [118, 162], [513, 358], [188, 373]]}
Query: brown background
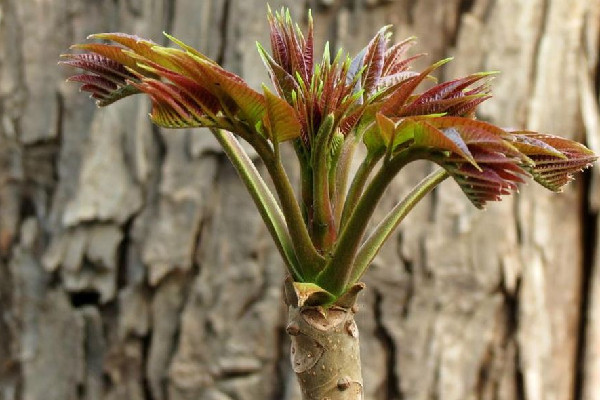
{"points": [[134, 266]]}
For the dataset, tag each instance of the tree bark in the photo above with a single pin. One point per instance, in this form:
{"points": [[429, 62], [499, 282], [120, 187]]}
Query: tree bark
{"points": [[133, 265]]}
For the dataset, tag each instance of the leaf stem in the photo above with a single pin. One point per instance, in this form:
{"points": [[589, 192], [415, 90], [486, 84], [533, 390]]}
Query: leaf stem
{"points": [[311, 261], [358, 184], [263, 198], [369, 249], [336, 274], [323, 227], [341, 176]]}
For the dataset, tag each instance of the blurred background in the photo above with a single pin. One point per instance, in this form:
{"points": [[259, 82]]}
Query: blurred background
{"points": [[134, 266]]}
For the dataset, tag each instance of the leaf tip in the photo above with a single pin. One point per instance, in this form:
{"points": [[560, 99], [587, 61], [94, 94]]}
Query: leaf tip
{"points": [[443, 61]]}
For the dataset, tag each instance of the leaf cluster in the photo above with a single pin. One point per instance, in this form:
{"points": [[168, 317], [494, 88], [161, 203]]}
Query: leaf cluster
{"points": [[328, 109]]}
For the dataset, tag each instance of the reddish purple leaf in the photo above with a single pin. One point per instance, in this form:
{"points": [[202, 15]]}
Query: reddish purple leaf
{"points": [[373, 62]]}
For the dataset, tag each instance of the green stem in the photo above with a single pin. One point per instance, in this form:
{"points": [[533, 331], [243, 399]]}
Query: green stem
{"points": [[311, 261], [263, 198], [306, 176], [333, 171], [341, 181], [336, 274], [358, 184], [323, 228], [306, 186], [384, 229]]}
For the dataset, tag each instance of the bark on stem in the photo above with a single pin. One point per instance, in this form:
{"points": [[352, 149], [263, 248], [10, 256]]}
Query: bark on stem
{"points": [[325, 346]]}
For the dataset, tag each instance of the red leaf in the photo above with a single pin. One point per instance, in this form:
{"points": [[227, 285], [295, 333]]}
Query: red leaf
{"points": [[397, 99], [204, 100], [278, 44], [284, 83], [95, 80], [99, 65], [453, 87], [403, 65], [374, 59], [112, 52], [435, 106], [487, 184], [393, 56], [472, 131], [308, 53]]}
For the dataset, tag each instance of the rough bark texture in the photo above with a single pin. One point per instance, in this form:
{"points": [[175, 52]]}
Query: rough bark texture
{"points": [[134, 266]]}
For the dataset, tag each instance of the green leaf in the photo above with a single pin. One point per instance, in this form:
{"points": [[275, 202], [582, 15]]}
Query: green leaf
{"points": [[387, 128], [281, 120], [143, 48], [188, 49], [229, 86], [472, 131], [305, 294], [322, 140], [373, 139], [427, 135]]}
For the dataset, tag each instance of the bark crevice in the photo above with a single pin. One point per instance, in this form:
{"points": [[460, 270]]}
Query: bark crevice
{"points": [[589, 227], [393, 389], [46, 140]]}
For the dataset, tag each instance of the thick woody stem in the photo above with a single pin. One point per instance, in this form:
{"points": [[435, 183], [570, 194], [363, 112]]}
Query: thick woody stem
{"points": [[325, 350]]}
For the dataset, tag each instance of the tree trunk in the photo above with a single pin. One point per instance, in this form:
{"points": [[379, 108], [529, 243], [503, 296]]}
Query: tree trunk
{"points": [[133, 265], [325, 351]]}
